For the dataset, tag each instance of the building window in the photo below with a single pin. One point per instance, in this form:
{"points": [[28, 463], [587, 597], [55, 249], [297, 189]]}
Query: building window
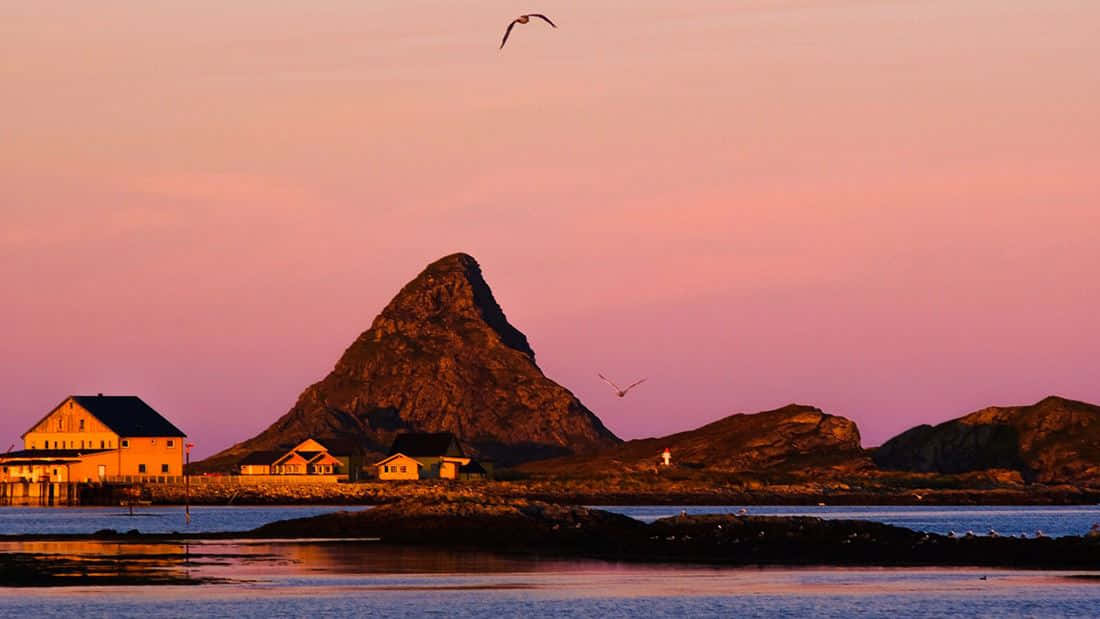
{"points": [[81, 425], [32, 445], [402, 468], [170, 444], [82, 444], [5, 469], [125, 443], [101, 444], [164, 469], [141, 468], [153, 441]]}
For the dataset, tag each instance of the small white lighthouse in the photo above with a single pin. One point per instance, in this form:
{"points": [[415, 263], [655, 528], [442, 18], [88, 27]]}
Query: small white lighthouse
{"points": [[666, 457]]}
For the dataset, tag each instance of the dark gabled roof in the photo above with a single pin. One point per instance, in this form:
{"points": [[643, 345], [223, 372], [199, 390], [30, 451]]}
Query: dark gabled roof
{"points": [[342, 447], [262, 457], [421, 444], [127, 415], [473, 468], [50, 453]]}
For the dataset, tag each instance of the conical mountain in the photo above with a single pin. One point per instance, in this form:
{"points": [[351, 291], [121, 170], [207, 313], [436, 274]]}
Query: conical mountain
{"points": [[441, 357]]}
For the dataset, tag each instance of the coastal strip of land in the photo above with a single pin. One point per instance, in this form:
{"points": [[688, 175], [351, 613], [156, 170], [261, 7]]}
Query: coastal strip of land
{"points": [[618, 491]]}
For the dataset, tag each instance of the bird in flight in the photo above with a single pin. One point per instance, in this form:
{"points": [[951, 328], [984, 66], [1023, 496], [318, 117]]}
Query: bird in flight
{"points": [[619, 391], [523, 19]]}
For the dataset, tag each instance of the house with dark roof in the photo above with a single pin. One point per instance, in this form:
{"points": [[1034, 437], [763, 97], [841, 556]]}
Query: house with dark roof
{"points": [[424, 455], [310, 458], [98, 438]]}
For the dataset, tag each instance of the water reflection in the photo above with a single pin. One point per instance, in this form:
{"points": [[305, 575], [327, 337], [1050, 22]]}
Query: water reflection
{"points": [[339, 578], [67, 563], [375, 558], [367, 564]]}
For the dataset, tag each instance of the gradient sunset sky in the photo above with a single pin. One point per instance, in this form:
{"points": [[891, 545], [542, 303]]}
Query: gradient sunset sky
{"points": [[889, 209]]}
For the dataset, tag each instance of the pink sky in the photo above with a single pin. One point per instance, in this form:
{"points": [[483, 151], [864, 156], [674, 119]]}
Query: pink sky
{"points": [[885, 208]]}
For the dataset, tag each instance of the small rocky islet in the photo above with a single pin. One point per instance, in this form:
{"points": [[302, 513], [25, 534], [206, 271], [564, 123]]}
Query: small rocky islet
{"points": [[539, 527]]}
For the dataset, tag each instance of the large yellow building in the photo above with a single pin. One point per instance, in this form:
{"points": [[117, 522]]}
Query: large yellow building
{"points": [[98, 438]]}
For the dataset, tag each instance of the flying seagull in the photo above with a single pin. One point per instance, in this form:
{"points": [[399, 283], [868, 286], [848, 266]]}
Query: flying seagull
{"points": [[619, 390], [523, 19]]}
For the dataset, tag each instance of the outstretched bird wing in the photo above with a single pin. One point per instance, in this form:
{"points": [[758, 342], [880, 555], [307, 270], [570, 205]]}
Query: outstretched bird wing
{"points": [[543, 18], [507, 32], [634, 385], [608, 381]]}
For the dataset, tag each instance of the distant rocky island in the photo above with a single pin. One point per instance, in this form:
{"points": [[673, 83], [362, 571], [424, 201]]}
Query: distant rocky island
{"points": [[1052, 441], [443, 357], [792, 438]]}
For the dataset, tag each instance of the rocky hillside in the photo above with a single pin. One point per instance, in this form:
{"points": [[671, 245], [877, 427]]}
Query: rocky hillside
{"points": [[1053, 440], [783, 440], [441, 357]]}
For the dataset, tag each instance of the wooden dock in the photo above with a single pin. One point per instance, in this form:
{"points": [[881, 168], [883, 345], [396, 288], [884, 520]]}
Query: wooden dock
{"points": [[68, 493]]}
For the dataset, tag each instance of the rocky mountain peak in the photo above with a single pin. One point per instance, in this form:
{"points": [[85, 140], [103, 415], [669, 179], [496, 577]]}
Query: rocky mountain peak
{"points": [[441, 357], [448, 293]]}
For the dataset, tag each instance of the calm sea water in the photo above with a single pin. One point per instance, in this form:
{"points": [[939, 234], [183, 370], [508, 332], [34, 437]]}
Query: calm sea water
{"points": [[156, 519], [1053, 521], [368, 579], [1006, 520], [305, 578]]}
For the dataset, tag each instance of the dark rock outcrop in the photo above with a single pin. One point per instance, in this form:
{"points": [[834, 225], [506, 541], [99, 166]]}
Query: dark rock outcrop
{"points": [[441, 357], [786, 439], [1054, 440], [535, 527]]}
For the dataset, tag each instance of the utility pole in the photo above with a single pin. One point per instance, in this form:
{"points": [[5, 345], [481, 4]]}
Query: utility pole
{"points": [[187, 485]]}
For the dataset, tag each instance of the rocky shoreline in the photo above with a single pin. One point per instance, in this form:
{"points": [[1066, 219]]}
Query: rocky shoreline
{"points": [[227, 491]]}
